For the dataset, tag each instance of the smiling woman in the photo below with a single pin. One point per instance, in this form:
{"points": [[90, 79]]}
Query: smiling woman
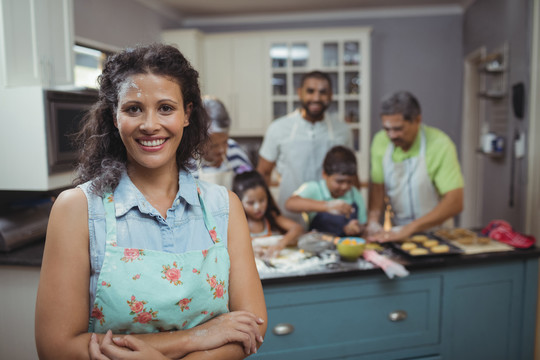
{"points": [[140, 247]]}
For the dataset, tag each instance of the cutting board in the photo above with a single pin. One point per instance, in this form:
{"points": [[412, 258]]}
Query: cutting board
{"points": [[493, 246]]}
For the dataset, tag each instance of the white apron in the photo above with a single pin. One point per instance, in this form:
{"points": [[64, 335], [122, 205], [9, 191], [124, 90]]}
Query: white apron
{"points": [[408, 186], [302, 161], [224, 178]]}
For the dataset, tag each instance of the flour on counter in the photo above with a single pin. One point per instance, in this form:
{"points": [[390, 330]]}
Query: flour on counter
{"points": [[294, 262]]}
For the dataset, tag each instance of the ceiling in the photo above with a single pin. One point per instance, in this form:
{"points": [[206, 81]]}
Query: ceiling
{"points": [[185, 9]]}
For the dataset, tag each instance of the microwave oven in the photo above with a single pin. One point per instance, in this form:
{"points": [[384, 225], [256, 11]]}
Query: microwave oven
{"points": [[64, 112]]}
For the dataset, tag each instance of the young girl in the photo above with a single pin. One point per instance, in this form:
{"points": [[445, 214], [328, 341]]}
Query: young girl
{"points": [[263, 215]]}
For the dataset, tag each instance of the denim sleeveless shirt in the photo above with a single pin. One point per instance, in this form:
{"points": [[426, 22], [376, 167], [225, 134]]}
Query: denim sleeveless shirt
{"points": [[140, 225]]}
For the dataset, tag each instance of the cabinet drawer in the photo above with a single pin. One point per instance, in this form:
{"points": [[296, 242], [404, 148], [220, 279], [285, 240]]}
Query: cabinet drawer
{"points": [[353, 316]]}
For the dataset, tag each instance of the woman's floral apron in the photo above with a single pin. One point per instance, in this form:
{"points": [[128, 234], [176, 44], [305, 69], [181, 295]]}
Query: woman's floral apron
{"points": [[143, 291]]}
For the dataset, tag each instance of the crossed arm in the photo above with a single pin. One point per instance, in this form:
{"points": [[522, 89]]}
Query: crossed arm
{"points": [[63, 302]]}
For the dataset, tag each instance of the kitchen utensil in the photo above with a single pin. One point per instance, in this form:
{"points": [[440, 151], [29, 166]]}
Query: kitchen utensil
{"points": [[316, 242]]}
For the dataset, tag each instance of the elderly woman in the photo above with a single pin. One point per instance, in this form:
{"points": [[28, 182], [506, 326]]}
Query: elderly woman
{"points": [[223, 157], [139, 246]]}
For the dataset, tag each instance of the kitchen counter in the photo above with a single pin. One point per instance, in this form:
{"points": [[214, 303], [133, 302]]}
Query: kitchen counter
{"points": [[347, 269], [31, 255], [449, 307], [27, 255]]}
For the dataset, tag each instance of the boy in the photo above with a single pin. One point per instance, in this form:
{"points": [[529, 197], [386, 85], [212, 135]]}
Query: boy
{"points": [[333, 204]]}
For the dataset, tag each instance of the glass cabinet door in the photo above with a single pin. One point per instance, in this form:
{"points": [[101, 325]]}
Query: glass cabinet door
{"points": [[299, 54], [340, 57], [279, 54], [330, 54], [289, 63], [351, 53]]}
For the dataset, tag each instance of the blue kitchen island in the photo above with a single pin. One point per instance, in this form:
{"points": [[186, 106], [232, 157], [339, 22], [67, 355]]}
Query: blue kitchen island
{"points": [[455, 307]]}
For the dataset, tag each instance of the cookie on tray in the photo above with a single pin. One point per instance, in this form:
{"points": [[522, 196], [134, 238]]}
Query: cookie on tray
{"points": [[430, 243], [408, 246], [419, 251], [419, 238], [440, 249]]}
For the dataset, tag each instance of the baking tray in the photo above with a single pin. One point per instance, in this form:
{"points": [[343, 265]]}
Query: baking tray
{"points": [[472, 241], [420, 241]]}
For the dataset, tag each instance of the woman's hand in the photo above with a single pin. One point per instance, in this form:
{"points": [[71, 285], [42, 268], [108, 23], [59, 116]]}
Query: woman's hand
{"points": [[120, 348], [236, 326]]}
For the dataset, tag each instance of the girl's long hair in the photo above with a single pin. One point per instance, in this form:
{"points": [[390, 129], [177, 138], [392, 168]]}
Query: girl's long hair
{"points": [[250, 180]]}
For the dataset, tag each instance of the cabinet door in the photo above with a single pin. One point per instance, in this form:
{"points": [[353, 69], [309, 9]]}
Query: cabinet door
{"points": [[38, 38], [217, 76], [60, 51], [482, 316], [250, 94], [189, 42], [235, 72], [20, 61], [351, 318]]}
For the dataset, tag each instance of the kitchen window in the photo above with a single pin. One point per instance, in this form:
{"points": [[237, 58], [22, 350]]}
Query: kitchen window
{"points": [[88, 65]]}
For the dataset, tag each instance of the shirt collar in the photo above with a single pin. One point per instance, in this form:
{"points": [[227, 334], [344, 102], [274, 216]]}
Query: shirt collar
{"points": [[127, 196], [415, 147], [309, 123], [324, 190]]}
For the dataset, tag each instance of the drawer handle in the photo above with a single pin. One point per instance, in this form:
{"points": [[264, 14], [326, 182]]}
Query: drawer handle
{"points": [[283, 329], [398, 315]]}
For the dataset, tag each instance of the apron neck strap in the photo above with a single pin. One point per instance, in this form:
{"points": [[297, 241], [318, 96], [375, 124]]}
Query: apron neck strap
{"points": [[422, 141], [330, 128], [208, 218], [110, 218]]}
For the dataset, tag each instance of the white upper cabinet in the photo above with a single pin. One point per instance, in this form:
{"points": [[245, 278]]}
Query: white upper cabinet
{"points": [[235, 72], [36, 43], [190, 43]]}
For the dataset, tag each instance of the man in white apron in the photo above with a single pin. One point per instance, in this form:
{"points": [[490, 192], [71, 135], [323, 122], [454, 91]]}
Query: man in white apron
{"points": [[223, 157], [416, 167], [297, 143]]}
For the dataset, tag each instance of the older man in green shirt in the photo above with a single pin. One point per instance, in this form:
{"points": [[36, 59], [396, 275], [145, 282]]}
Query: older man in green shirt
{"points": [[416, 167]]}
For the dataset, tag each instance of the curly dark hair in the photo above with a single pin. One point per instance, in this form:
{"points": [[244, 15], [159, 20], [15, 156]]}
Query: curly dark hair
{"points": [[250, 180], [102, 156]]}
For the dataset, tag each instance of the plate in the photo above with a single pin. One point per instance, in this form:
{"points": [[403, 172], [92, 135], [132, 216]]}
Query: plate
{"points": [[426, 245]]}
